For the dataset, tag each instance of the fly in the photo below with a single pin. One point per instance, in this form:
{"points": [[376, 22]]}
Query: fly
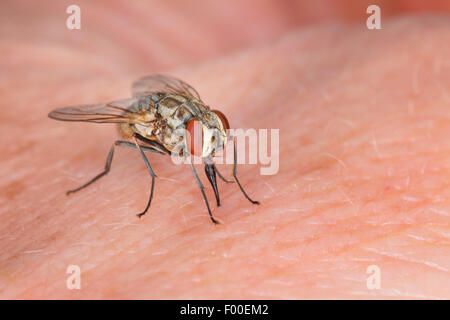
{"points": [[151, 120]]}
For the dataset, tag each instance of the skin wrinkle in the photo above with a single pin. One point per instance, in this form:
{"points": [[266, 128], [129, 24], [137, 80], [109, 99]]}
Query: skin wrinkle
{"points": [[405, 258], [335, 223]]}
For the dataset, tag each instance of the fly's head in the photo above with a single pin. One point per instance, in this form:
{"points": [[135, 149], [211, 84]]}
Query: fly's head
{"points": [[207, 133]]}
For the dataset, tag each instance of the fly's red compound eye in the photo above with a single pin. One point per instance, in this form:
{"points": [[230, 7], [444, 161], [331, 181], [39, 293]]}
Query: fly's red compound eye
{"points": [[222, 118], [195, 137]]}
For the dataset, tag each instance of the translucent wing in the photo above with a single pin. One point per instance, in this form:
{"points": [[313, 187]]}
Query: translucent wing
{"points": [[113, 112], [159, 83]]}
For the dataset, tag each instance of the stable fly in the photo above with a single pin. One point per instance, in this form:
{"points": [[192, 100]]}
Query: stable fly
{"points": [[150, 121]]}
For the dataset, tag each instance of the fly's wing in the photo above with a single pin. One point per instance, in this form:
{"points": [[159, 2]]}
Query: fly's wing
{"points": [[162, 84], [113, 112]]}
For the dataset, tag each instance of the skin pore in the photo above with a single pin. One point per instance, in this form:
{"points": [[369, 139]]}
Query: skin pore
{"points": [[364, 120]]}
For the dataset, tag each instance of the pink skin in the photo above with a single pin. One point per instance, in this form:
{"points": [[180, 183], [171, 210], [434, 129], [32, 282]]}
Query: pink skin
{"points": [[363, 180]]}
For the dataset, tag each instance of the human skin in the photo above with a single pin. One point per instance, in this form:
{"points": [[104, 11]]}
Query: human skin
{"points": [[363, 178]]}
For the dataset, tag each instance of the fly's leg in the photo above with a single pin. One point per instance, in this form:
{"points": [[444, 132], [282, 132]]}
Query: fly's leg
{"points": [[200, 185], [221, 176], [101, 174], [235, 173], [109, 161], [133, 146], [150, 170]]}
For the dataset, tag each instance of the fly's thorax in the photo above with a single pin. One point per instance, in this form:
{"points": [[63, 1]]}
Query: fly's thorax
{"points": [[166, 120], [175, 111]]}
